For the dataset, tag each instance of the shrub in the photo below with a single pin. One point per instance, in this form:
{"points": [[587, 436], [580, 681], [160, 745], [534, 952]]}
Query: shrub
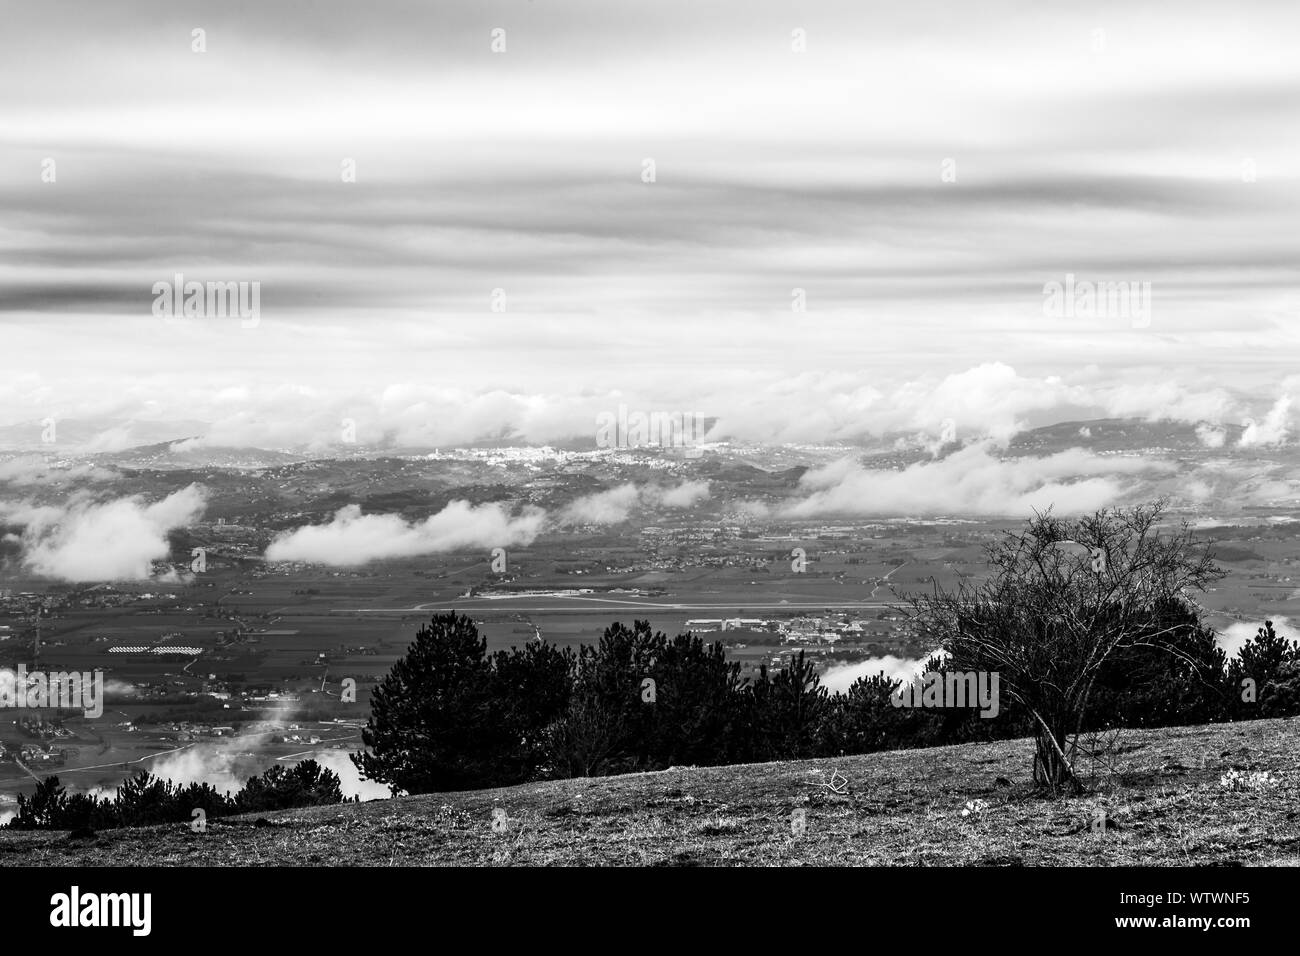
{"points": [[146, 800]]}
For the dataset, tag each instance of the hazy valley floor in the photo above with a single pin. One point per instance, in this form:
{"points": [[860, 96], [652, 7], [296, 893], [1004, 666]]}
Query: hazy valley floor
{"points": [[1164, 805]]}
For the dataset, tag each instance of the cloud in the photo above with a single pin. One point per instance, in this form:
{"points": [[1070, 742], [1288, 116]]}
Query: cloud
{"points": [[973, 481], [603, 507], [86, 540], [1166, 400], [32, 470], [615, 505], [1232, 483], [1272, 430], [1210, 436], [839, 678], [350, 777], [227, 763], [990, 399], [752, 510], [352, 538], [1237, 634], [685, 495], [923, 299], [113, 439]]}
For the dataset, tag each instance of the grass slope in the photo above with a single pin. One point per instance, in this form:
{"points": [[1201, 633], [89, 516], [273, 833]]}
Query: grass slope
{"points": [[1165, 805]]}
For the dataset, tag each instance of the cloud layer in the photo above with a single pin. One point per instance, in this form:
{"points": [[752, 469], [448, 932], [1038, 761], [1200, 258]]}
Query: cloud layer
{"points": [[353, 538], [972, 480], [839, 678], [88, 540], [993, 399], [616, 505], [837, 232]]}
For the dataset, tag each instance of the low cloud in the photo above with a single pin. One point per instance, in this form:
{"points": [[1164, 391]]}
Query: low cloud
{"points": [[615, 505], [1272, 430], [973, 480], [227, 763], [33, 470], [1232, 484], [841, 677], [350, 780], [86, 540], [1237, 634], [1210, 436], [352, 538], [988, 400], [685, 495], [109, 440], [1166, 400], [604, 507]]}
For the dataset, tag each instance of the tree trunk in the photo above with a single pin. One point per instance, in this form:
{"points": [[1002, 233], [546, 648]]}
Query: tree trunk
{"points": [[1052, 769]]}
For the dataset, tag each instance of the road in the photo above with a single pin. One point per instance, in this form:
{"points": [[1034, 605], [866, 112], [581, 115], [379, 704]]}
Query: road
{"points": [[888, 576]]}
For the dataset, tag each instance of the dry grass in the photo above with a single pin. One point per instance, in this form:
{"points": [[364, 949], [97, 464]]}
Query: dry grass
{"points": [[1162, 800]]}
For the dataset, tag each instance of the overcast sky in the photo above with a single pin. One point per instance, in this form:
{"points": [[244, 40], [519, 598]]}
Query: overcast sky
{"points": [[1117, 142]]}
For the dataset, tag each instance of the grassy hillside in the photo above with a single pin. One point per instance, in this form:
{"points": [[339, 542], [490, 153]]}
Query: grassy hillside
{"points": [[1164, 805]]}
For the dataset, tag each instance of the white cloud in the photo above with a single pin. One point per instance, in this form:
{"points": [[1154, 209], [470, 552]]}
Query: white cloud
{"points": [[112, 439], [973, 481], [603, 507], [841, 677], [1167, 399], [615, 505], [1272, 430], [1210, 436], [86, 540], [352, 538], [1238, 633], [992, 399], [226, 764], [685, 495], [33, 470]]}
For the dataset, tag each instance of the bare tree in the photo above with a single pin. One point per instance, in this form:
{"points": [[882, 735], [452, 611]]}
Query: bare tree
{"points": [[1062, 599]]}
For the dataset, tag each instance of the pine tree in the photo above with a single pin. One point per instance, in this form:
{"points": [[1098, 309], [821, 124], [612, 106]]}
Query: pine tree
{"points": [[432, 725]]}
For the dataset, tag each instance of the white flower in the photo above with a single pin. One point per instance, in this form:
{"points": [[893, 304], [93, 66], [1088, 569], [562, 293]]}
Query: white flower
{"points": [[1255, 780]]}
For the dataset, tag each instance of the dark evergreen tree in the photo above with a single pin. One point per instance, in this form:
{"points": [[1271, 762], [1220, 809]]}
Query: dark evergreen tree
{"points": [[785, 711], [43, 809], [608, 727], [1262, 660], [306, 784], [532, 684], [434, 724]]}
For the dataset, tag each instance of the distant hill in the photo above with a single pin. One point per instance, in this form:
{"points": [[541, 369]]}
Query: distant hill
{"points": [[1115, 434], [177, 455]]}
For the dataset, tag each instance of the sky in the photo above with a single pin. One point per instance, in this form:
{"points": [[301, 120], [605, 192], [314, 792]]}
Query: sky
{"points": [[854, 213]]}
